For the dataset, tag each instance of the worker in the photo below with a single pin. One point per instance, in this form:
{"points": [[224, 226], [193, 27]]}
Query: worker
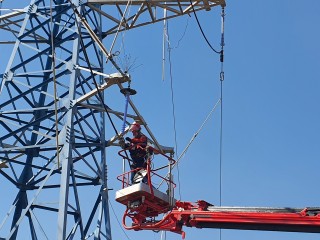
{"points": [[137, 149]]}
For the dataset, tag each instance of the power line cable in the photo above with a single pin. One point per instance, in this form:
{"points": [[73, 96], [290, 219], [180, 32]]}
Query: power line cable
{"points": [[202, 32]]}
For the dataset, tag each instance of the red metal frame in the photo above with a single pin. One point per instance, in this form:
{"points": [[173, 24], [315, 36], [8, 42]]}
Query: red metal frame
{"points": [[200, 216]]}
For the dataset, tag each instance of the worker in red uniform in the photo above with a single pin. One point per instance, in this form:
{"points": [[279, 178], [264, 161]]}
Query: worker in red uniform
{"points": [[137, 148]]}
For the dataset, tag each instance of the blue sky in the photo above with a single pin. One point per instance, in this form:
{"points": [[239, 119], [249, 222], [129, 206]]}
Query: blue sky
{"points": [[270, 107], [271, 114]]}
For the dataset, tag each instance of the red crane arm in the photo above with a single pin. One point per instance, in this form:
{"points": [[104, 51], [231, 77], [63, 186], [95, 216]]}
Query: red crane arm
{"points": [[204, 215]]}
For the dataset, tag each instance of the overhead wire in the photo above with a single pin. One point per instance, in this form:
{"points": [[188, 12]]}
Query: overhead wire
{"points": [[202, 32]]}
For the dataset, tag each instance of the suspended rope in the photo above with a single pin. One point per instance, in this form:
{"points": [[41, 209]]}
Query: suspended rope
{"points": [[166, 32], [201, 127], [196, 134]]}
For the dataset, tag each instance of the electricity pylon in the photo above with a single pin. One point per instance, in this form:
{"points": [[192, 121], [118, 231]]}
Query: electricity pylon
{"points": [[53, 115]]}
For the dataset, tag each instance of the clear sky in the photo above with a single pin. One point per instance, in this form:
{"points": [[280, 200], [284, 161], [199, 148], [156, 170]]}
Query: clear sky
{"points": [[271, 114]]}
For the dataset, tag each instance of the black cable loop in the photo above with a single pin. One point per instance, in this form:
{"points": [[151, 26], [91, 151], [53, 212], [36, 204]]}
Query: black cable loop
{"points": [[203, 34]]}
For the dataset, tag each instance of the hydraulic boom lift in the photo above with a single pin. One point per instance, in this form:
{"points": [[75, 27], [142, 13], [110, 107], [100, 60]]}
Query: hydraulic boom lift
{"points": [[145, 202]]}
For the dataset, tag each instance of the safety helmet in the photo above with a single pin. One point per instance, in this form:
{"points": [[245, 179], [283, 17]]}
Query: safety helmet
{"points": [[135, 127]]}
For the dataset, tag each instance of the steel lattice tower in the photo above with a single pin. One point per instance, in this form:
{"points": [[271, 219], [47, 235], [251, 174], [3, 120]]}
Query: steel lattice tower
{"points": [[53, 116]]}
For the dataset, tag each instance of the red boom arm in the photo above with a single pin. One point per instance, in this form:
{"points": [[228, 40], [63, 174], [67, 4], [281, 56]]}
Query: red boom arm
{"points": [[204, 215]]}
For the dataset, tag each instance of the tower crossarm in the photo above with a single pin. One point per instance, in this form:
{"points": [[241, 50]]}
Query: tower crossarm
{"points": [[146, 12]]}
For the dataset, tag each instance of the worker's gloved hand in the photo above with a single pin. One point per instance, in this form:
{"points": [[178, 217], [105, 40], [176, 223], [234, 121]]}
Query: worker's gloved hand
{"points": [[128, 139]]}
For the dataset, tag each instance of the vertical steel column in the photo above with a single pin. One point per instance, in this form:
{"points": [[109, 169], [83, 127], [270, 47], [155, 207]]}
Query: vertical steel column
{"points": [[67, 138], [47, 193]]}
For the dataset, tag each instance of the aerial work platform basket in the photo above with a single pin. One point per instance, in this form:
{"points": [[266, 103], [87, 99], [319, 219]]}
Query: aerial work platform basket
{"points": [[153, 201], [143, 197]]}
